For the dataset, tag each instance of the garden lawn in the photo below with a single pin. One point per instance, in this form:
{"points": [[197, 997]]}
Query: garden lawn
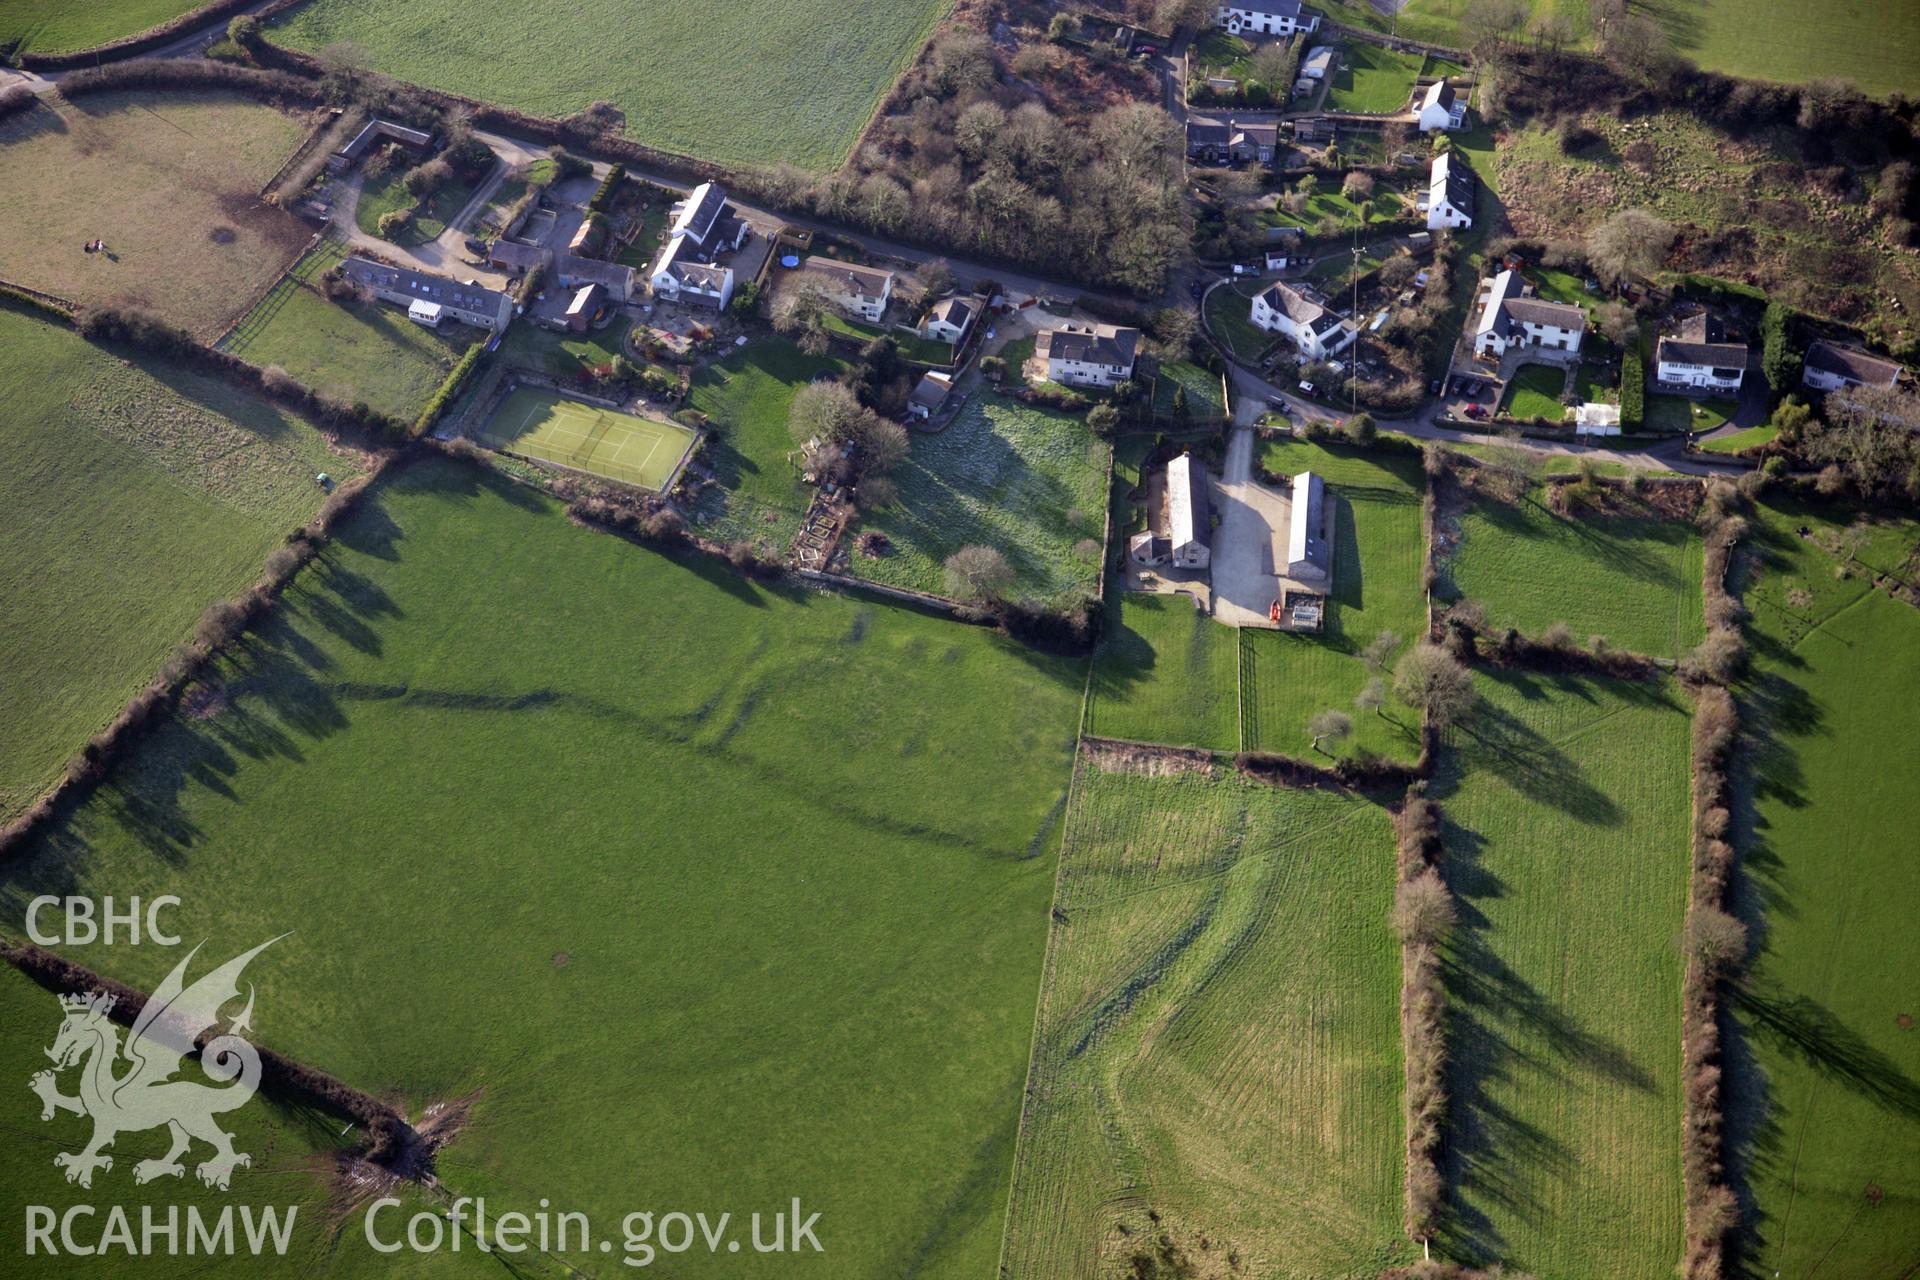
{"points": [[135, 497], [1321, 205], [1028, 482], [1824, 1066], [382, 196], [758, 494], [356, 352], [1217, 1063], [796, 84], [1230, 318], [1206, 398], [169, 181], [1534, 392], [1634, 580], [762, 873], [1739, 441], [1373, 79], [1287, 677], [61, 26], [1678, 413], [1566, 832]]}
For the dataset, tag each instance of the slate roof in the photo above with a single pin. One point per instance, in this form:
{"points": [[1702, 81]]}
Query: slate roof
{"points": [[1103, 344], [1701, 339], [1271, 8], [514, 254], [1189, 513], [1454, 182], [700, 210], [1505, 308], [932, 390], [849, 277], [418, 284], [1301, 307], [677, 260], [1309, 555], [956, 310], [1207, 133], [1853, 364], [1439, 94]]}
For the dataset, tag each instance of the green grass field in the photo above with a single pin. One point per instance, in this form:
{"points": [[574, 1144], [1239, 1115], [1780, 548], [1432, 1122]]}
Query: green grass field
{"points": [[370, 353], [1028, 482], [169, 181], [747, 396], [59, 26], [135, 497], [1634, 580], [1219, 1038], [1165, 672], [1372, 79], [1535, 393], [292, 1150], [801, 64], [1824, 1076], [1287, 677], [1567, 827], [536, 423], [683, 881], [1877, 46]]}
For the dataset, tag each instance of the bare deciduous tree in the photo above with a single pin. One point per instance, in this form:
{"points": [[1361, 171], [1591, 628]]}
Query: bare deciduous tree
{"points": [[1329, 724], [1633, 242], [975, 572], [1434, 682], [1423, 909]]}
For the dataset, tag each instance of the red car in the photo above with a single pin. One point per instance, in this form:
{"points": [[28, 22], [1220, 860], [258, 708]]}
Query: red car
{"points": [[1476, 411]]}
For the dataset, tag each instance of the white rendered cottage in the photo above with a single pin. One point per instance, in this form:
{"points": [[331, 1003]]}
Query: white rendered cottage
{"points": [[1441, 108], [1266, 17], [1099, 355], [1509, 319], [1698, 357], [1452, 193], [1316, 332]]}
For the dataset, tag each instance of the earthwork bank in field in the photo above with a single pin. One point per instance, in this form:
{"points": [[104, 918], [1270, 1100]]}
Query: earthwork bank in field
{"points": [[1219, 1037], [135, 496], [1824, 1063], [169, 181], [762, 873], [793, 83]]}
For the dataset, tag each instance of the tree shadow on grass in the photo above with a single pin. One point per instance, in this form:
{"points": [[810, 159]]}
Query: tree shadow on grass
{"points": [[1535, 767]]}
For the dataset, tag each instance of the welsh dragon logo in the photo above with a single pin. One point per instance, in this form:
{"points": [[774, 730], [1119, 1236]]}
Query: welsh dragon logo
{"points": [[143, 1095]]}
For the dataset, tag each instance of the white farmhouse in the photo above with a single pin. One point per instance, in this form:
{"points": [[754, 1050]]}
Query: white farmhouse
{"points": [[1316, 332], [860, 291], [1452, 193], [1441, 108], [1189, 514], [1098, 355], [1266, 17], [1699, 358], [679, 275], [1510, 319]]}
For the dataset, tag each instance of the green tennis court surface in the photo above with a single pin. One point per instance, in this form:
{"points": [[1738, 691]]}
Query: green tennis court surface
{"points": [[543, 425]]}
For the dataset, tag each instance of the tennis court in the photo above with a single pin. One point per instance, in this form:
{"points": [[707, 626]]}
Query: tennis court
{"points": [[551, 428]]}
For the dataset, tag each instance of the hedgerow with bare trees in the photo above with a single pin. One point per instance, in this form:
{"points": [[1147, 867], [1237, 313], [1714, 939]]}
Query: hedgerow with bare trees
{"points": [[1423, 914]]}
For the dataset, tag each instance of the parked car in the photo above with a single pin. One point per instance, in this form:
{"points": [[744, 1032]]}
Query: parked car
{"points": [[1144, 51], [477, 246], [1306, 388], [1476, 411], [1433, 388]]}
